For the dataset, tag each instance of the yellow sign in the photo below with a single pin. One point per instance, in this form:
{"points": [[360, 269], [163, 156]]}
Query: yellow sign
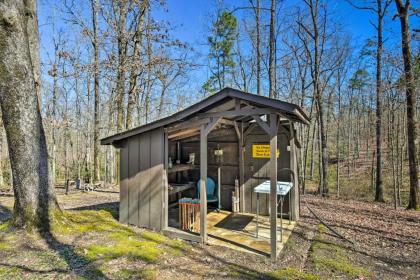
{"points": [[262, 151]]}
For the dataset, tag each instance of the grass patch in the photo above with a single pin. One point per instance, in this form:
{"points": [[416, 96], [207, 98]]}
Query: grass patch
{"points": [[92, 273], [241, 272], [87, 221], [341, 266], [178, 244], [46, 260], [5, 226], [153, 237], [174, 251], [10, 272], [4, 246], [120, 235], [7, 241], [146, 274], [334, 259], [103, 239], [291, 273], [143, 250], [124, 242], [322, 228], [173, 247]]}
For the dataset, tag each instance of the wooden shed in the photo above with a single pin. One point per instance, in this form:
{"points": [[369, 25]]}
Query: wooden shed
{"points": [[238, 139]]}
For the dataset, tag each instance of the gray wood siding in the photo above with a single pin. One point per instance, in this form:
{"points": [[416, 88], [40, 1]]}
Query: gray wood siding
{"points": [[123, 216], [156, 179], [144, 173], [142, 185], [133, 190]]}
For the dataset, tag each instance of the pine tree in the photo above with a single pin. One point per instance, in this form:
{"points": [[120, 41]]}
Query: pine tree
{"points": [[221, 41]]}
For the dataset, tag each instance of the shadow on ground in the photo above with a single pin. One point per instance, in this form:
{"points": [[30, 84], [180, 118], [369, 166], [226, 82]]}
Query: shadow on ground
{"points": [[76, 263], [5, 214]]}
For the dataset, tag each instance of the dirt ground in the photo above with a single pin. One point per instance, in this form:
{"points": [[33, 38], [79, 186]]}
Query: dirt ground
{"points": [[380, 243]]}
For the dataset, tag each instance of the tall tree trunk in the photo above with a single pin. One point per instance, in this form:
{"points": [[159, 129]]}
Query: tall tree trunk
{"points": [[88, 165], [149, 50], [161, 99], [78, 122], [257, 21], [320, 163], [399, 160], [1, 157], [313, 146], [308, 130], [372, 173], [54, 121], [95, 43], [410, 99], [137, 64], [122, 52], [34, 195], [271, 60], [338, 132], [314, 9], [349, 133], [379, 190]]}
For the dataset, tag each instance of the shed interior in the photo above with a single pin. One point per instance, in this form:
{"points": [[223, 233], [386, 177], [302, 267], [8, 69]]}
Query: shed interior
{"points": [[183, 175]]}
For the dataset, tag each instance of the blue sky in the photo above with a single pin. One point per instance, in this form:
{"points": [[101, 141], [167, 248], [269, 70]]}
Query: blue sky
{"points": [[190, 19], [192, 15]]}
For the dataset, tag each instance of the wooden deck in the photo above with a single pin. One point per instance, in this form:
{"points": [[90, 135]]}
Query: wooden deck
{"points": [[238, 231]]}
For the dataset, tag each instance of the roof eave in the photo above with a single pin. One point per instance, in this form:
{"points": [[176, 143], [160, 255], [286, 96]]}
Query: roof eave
{"points": [[298, 114]]}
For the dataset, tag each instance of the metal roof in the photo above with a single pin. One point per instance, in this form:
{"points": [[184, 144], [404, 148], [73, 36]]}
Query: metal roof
{"points": [[289, 110]]}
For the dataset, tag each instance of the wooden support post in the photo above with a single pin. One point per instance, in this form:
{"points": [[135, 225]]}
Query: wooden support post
{"points": [[219, 187], [67, 186], [295, 196], [240, 133], [271, 130], [203, 182], [273, 185]]}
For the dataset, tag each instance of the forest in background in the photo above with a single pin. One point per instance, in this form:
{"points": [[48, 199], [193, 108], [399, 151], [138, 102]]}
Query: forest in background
{"points": [[114, 65]]}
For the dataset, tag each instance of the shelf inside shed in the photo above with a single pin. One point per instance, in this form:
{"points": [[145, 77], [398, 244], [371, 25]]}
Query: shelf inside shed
{"points": [[182, 167]]}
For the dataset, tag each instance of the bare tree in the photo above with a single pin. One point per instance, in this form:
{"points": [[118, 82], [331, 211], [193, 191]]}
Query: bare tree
{"points": [[168, 72], [136, 65], [121, 7], [34, 196], [315, 56], [272, 50], [257, 11], [380, 9], [403, 10], [97, 101]]}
